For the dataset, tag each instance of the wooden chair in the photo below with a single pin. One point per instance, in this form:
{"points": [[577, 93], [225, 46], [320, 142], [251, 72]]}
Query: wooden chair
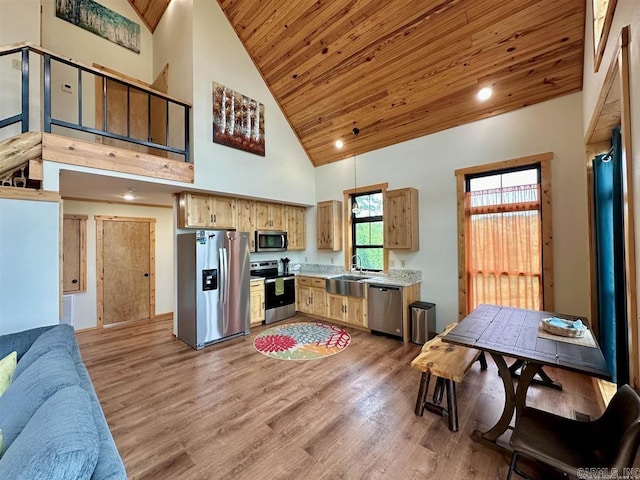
{"points": [[449, 364], [610, 442]]}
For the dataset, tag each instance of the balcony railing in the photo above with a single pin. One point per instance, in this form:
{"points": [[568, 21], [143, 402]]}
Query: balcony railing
{"points": [[119, 110]]}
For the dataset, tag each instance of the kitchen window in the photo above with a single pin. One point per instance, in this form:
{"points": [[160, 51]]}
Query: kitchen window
{"points": [[367, 231], [504, 222]]}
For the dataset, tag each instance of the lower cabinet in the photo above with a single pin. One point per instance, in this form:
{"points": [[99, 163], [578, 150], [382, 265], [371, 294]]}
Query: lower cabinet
{"points": [[311, 296], [256, 302], [352, 310]]}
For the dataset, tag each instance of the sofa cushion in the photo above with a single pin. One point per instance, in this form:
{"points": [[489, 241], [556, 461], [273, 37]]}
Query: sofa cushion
{"points": [[51, 372], [60, 337], [7, 367], [60, 442], [20, 341]]}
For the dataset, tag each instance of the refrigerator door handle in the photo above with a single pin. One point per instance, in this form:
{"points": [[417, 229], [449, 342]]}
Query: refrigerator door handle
{"points": [[222, 273]]}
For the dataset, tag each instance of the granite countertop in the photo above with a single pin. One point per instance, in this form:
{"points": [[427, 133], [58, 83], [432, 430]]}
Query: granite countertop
{"points": [[374, 277]]}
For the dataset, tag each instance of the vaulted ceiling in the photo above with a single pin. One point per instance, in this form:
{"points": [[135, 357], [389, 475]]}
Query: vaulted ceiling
{"points": [[401, 69]]}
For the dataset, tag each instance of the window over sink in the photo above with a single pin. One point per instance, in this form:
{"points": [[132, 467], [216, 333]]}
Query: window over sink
{"points": [[367, 230]]}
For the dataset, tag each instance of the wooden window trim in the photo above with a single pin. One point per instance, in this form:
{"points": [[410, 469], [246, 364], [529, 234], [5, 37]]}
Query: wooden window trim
{"points": [[599, 44], [82, 241], [348, 238], [544, 160]]}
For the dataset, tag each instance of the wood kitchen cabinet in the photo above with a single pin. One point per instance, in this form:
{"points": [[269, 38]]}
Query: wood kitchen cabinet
{"points": [[329, 219], [256, 302], [352, 310], [311, 296], [296, 227], [206, 211], [269, 216], [246, 221], [400, 213]]}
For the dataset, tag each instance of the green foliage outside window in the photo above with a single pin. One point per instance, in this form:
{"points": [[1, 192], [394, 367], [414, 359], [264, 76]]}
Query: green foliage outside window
{"points": [[367, 230]]}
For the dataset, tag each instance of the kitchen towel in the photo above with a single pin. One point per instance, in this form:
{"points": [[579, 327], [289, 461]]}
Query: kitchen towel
{"points": [[279, 286]]}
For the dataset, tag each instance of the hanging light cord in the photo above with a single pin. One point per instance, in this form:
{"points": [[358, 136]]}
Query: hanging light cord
{"points": [[355, 207]]}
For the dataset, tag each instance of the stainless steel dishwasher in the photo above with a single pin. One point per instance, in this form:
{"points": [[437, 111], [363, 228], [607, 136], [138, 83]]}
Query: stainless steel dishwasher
{"points": [[385, 309]]}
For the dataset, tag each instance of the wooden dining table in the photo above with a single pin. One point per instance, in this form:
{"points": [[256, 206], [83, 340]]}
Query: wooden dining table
{"points": [[507, 332]]}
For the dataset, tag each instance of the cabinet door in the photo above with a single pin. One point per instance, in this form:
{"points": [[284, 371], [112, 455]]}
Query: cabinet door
{"points": [[295, 225], [256, 300], [263, 220], [276, 216], [329, 223], [356, 311], [336, 307], [303, 295], [224, 212], [318, 302], [401, 219], [198, 210], [247, 220]]}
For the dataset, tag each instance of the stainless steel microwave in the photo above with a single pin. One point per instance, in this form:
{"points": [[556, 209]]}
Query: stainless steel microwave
{"points": [[271, 241]]}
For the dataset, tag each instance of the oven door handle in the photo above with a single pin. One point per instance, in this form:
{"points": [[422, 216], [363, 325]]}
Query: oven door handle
{"points": [[273, 280]]}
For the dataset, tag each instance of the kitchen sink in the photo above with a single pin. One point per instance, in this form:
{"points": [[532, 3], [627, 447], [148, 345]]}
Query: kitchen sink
{"points": [[349, 285]]}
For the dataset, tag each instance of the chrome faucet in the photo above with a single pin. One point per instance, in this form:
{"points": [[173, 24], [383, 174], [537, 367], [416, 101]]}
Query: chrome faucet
{"points": [[355, 260]]}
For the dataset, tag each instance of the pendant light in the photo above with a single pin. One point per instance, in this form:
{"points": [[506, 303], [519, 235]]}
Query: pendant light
{"points": [[355, 208]]}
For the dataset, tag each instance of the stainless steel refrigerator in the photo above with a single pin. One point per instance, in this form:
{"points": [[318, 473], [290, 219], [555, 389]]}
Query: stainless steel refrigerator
{"points": [[213, 286]]}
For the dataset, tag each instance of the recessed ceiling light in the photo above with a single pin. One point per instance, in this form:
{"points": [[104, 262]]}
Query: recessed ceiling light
{"points": [[339, 144], [130, 195], [485, 93]]}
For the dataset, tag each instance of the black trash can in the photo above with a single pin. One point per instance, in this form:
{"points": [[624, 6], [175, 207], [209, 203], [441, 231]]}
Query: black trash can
{"points": [[423, 321]]}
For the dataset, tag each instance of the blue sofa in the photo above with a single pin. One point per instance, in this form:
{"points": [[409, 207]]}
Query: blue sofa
{"points": [[51, 421]]}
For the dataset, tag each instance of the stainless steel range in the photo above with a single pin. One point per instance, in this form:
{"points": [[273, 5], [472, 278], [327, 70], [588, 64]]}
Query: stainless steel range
{"points": [[279, 290]]}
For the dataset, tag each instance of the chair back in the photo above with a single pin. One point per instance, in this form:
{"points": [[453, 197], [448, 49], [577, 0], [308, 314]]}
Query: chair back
{"points": [[620, 429]]}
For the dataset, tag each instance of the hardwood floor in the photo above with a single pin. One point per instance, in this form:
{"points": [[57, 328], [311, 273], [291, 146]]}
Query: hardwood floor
{"points": [[229, 412]]}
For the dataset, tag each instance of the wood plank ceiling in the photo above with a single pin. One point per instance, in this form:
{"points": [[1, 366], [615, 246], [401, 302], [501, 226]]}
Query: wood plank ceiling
{"points": [[402, 69]]}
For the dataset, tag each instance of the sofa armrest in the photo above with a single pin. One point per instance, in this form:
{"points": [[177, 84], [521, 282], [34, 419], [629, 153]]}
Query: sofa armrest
{"points": [[20, 342]]}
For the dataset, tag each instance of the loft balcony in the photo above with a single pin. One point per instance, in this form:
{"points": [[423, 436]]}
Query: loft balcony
{"points": [[56, 109]]}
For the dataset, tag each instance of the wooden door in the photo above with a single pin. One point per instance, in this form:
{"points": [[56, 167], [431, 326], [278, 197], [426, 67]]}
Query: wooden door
{"points": [[304, 299], [74, 232], [147, 116], [126, 269]]}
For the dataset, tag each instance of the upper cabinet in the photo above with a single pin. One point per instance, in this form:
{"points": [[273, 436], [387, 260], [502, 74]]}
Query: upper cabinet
{"points": [[206, 211], [296, 227], [247, 220], [401, 219], [329, 225], [269, 216]]}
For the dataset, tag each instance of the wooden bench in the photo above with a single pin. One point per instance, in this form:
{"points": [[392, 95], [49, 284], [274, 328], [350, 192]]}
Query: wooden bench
{"points": [[449, 364]]}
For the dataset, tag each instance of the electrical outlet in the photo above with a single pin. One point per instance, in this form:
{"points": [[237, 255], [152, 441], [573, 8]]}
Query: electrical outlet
{"points": [[332, 260], [403, 263], [15, 64], [306, 259]]}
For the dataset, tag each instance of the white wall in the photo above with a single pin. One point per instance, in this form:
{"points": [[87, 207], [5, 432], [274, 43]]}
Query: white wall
{"points": [[29, 279], [428, 164], [81, 45], [23, 25], [85, 303], [285, 173]]}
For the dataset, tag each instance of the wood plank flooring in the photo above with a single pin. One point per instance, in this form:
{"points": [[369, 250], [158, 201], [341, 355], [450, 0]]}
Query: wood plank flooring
{"points": [[229, 412]]}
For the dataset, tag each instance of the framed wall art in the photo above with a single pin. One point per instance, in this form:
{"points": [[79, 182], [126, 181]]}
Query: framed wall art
{"points": [[238, 121], [100, 20]]}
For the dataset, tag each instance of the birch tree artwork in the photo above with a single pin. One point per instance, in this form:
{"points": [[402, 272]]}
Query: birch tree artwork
{"points": [[100, 20], [238, 121]]}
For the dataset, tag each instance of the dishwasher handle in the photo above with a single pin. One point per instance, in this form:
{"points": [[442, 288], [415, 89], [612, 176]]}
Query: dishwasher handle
{"points": [[385, 288]]}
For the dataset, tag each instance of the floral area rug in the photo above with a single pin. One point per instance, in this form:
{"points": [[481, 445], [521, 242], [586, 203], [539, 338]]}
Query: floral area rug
{"points": [[302, 341]]}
